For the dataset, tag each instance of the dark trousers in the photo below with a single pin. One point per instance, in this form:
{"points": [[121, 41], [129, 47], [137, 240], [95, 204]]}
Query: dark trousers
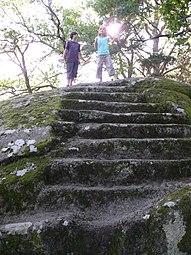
{"points": [[72, 70]]}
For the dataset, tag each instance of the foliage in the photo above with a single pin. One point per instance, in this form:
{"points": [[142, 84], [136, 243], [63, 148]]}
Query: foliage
{"points": [[176, 14], [50, 28], [23, 29], [155, 61], [120, 9], [86, 27], [145, 28]]}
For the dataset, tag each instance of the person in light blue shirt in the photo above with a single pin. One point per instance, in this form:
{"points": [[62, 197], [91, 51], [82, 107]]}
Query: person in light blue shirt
{"points": [[103, 48], [101, 44]]}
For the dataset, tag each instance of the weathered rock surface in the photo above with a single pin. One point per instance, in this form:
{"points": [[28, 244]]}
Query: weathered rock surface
{"points": [[99, 168]]}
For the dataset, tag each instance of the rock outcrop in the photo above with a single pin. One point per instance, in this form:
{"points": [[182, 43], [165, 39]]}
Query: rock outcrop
{"points": [[98, 169]]}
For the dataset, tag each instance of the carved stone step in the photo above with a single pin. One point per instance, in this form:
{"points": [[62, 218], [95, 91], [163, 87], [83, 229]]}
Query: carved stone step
{"points": [[121, 130], [105, 96], [123, 107], [123, 148], [84, 116], [101, 88], [88, 198], [91, 231], [116, 83], [114, 172], [114, 130]]}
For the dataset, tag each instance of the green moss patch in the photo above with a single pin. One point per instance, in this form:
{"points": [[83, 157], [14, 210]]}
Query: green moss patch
{"points": [[174, 207], [20, 183], [164, 91], [22, 180], [13, 244], [32, 110]]}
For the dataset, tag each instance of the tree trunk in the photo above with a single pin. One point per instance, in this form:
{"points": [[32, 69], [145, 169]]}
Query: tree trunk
{"points": [[25, 73], [155, 32]]}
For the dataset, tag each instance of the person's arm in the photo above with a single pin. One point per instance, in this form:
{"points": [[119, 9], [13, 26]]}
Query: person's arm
{"points": [[65, 54], [111, 39], [95, 44], [79, 54], [65, 50]]}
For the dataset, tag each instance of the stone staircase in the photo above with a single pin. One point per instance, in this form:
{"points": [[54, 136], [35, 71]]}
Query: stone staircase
{"points": [[117, 157]]}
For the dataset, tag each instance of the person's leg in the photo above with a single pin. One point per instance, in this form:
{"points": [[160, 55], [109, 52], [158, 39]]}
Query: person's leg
{"points": [[109, 66], [99, 68], [69, 69], [74, 71], [69, 83]]}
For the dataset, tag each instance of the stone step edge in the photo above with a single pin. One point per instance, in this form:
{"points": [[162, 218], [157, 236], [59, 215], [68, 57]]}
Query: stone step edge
{"points": [[39, 217], [16, 224], [80, 196], [102, 140], [92, 160], [117, 83], [22, 228], [109, 102], [81, 125], [169, 114], [140, 187], [124, 171], [131, 93], [102, 86]]}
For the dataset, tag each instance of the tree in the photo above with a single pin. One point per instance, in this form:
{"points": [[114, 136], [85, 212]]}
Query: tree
{"points": [[137, 50], [16, 43], [143, 24], [177, 15], [26, 29], [15, 46]]}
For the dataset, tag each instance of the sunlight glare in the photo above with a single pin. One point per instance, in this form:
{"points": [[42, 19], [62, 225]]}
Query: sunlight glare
{"points": [[113, 29], [69, 4]]}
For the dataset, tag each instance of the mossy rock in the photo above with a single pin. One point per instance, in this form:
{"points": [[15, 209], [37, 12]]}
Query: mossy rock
{"points": [[173, 217], [166, 91], [27, 137], [22, 179], [30, 110], [20, 183]]}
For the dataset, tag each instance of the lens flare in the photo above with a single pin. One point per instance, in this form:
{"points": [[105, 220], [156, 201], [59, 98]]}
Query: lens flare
{"points": [[113, 29]]}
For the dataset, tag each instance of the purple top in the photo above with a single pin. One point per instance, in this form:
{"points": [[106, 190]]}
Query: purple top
{"points": [[73, 50]]}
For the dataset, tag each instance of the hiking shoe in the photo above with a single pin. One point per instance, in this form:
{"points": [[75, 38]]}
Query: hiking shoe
{"points": [[113, 78]]}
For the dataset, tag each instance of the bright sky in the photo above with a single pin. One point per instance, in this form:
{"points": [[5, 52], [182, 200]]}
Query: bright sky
{"points": [[69, 3], [8, 68]]}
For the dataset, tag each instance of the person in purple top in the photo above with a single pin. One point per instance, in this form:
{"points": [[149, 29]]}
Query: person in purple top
{"points": [[72, 57]]}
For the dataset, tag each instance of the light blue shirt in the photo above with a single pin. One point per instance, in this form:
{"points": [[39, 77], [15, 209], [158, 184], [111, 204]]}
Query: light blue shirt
{"points": [[102, 43]]}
